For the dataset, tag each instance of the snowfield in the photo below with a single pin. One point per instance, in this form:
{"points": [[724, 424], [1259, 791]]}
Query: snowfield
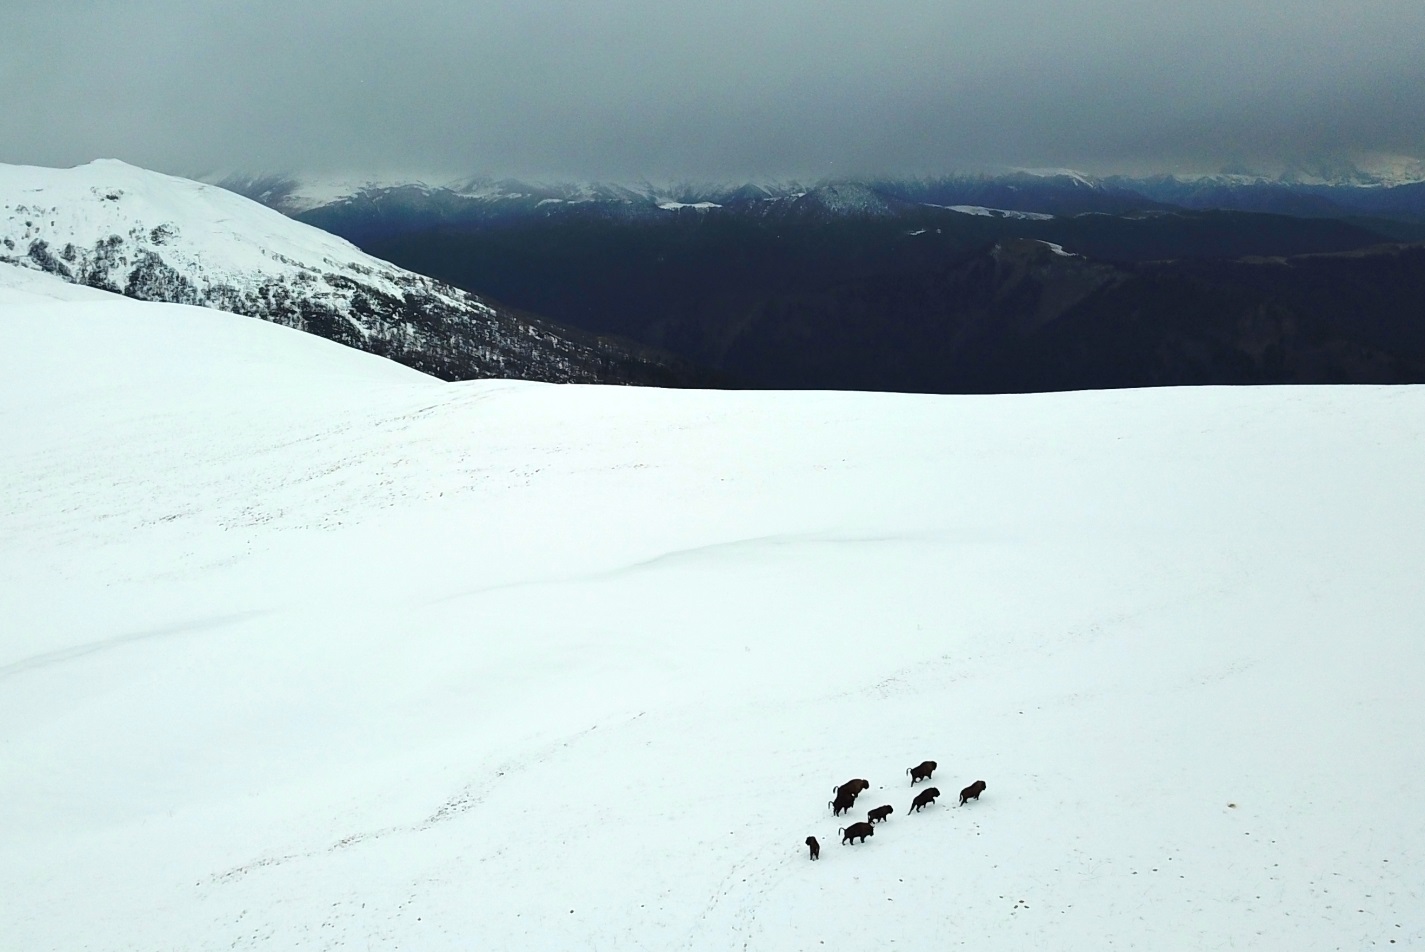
{"points": [[983, 212], [306, 650]]}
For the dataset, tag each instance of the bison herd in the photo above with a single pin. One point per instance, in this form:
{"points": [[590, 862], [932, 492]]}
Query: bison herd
{"points": [[845, 799]]}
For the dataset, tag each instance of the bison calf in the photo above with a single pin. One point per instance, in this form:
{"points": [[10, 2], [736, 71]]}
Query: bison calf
{"points": [[922, 772], [815, 847], [879, 813], [972, 792], [924, 798], [862, 830], [851, 788], [841, 804]]}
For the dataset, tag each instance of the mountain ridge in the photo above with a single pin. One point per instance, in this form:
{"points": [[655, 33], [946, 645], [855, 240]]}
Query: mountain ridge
{"points": [[365, 208], [156, 237]]}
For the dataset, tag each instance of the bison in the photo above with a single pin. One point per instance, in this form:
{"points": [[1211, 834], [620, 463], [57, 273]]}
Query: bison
{"points": [[841, 804], [879, 813], [924, 798], [851, 788], [972, 792], [850, 833], [815, 847], [922, 772]]}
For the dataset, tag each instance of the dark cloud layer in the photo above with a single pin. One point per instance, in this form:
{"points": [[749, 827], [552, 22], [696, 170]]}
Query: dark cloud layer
{"points": [[631, 88]]}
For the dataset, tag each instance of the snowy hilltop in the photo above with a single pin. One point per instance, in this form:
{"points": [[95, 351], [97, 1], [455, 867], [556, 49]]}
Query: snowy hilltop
{"points": [[158, 238], [303, 649]]}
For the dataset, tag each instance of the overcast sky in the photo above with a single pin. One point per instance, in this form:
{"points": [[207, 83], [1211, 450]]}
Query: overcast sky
{"points": [[714, 89]]}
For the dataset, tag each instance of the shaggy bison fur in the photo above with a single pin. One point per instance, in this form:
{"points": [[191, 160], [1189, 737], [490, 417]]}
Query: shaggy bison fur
{"points": [[922, 772], [972, 792], [841, 804], [850, 833], [924, 798], [879, 813], [815, 847], [851, 788]]}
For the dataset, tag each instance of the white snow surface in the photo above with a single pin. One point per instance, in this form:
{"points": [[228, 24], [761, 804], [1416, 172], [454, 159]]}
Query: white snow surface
{"points": [[984, 212], [20, 287], [90, 202], [305, 650], [210, 235]]}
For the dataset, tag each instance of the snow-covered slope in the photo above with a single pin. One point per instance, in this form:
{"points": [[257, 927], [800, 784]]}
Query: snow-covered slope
{"points": [[983, 212], [160, 238], [305, 650]]}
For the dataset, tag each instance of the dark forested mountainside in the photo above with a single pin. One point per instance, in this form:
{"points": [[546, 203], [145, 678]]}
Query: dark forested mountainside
{"points": [[851, 302], [1021, 316], [1402, 203]]}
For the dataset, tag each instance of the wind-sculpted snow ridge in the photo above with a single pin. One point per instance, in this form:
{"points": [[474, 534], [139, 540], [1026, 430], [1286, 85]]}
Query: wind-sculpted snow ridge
{"points": [[154, 237]]}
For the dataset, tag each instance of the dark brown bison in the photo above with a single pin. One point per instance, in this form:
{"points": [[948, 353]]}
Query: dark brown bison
{"points": [[841, 804], [879, 813], [850, 833], [972, 792], [815, 847], [922, 772], [924, 798], [851, 788]]}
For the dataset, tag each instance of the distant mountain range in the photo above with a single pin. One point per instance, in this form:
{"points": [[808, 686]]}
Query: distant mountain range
{"points": [[1030, 280], [949, 284], [373, 210], [155, 237], [1392, 190]]}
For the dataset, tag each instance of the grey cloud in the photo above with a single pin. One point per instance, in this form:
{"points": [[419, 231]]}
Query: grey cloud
{"points": [[630, 88]]}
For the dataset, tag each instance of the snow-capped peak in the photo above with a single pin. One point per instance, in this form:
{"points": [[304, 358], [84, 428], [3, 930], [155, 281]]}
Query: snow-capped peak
{"points": [[158, 237], [201, 227], [1074, 176]]}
